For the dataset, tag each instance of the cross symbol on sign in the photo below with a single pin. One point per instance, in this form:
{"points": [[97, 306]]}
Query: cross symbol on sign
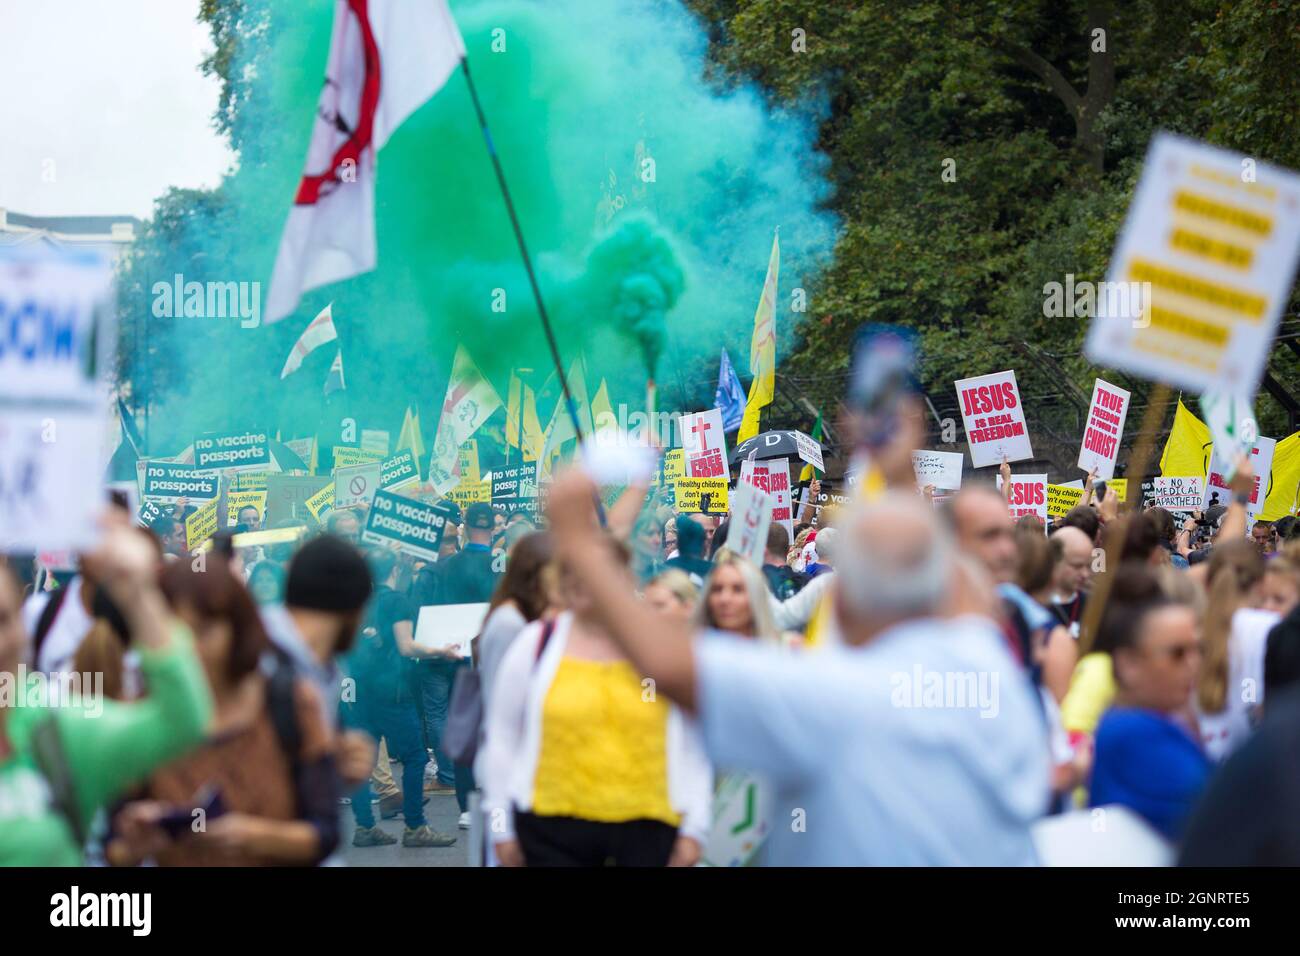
{"points": [[358, 485], [699, 428]]}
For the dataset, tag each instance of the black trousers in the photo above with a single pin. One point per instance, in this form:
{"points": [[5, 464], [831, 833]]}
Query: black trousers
{"points": [[569, 841]]}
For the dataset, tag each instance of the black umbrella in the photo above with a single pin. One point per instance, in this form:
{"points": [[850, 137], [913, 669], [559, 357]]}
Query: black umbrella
{"points": [[776, 444]]}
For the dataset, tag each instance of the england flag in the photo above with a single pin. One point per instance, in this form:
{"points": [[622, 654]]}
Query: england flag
{"points": [[387, 57]]}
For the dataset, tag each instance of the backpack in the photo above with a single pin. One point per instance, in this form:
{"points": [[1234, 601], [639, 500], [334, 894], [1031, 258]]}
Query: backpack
{"points": [[376, 663], [45, 622], [464, 726]]}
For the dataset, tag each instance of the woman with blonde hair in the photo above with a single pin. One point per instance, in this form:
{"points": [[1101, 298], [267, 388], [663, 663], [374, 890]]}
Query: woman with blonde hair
{"points": [[673, 593], [1230, 686], [736, 600]]}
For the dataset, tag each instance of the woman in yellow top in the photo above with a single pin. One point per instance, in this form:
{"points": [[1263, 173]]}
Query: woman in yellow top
{"points": [[583, 764]]}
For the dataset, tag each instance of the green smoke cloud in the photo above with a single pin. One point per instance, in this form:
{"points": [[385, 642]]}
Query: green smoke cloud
{"points": [[648, 197]]}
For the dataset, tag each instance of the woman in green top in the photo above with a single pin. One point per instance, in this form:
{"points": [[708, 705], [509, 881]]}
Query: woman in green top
{"points": [[60, 764]]}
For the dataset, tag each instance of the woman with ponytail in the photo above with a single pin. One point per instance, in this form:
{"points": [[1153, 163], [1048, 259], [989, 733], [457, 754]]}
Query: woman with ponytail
{"points": [[1230, 687]]}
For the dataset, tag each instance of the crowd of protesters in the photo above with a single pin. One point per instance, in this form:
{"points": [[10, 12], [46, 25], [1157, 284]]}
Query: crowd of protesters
{"points": [[903, 680]]}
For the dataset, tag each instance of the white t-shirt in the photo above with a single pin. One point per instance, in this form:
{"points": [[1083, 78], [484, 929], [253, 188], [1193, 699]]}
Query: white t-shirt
{"points": [[1224, 732], [70, 627], [867, 766]]}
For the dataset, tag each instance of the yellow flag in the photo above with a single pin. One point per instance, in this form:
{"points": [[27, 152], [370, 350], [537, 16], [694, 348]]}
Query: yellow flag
{"points": [[1187, 452], [762, 349], [409, 437], [512, 412], [1282, 493], [532, 436], [602, 413]]}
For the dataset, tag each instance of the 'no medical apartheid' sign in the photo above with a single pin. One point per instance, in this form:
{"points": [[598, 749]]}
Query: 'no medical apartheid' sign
{"points": [[413, 526], [994, 418]]}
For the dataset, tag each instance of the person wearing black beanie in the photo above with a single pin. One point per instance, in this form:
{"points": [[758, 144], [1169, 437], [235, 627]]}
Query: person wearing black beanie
{"points": [[328, 574], [326, 589]]}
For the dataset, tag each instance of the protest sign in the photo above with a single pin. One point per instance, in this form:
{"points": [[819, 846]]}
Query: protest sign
{"points": [[773, 477], [751, 516], [286, 496], [1028, 496], [450, 627], [56, 349], [1061, 498], [1216, 482], [201, 525], [415, 527], [148, 514], [1202, 270], [238, 451], [346, 456], [249, 480], [321, 502], [671, 467], [809, 450], [168, 481], [994, 418], [939, 468], [1103, 429], [470, 492], [399, 471], [516, 482], [304, 448], [1178, 494], [355, 484], [236, 501], [1119, 487], [701, 495], [704, 444], [375, 441]]}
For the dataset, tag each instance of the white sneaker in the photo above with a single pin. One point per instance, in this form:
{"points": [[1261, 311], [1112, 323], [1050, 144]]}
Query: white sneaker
{"points": [[463, 822]]}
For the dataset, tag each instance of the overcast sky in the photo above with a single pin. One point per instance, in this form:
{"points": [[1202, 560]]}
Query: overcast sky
{"points": [[106, 97]]}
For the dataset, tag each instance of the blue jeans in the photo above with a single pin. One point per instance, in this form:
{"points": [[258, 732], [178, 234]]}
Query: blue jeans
{"points": [[437, 677], [399, 725]]}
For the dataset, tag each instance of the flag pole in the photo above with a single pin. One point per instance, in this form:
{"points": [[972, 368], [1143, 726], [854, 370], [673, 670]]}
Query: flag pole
{"points": [[523, 248]]}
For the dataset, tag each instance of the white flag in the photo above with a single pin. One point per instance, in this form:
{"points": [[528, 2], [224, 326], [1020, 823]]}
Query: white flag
{"points": [[387, 57], [470, 401], [320, 331]]}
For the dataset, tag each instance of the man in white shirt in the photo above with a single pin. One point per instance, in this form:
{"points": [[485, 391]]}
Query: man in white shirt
{"points": [[915, 740]]}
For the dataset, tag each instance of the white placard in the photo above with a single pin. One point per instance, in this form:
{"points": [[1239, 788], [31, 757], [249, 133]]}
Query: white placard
{"points": [[939, 468], [1178, 494], [356, 484], [450, 627], [809, 450], [1103, 429], [1216, 482], [1028, 496], [1201, 271], [56, 349], [751, 517], [374, 440], [704, 444], [994, 418]]}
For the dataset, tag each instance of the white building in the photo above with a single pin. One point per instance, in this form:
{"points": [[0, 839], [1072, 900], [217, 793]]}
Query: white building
{"points": [[110, 235]]}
